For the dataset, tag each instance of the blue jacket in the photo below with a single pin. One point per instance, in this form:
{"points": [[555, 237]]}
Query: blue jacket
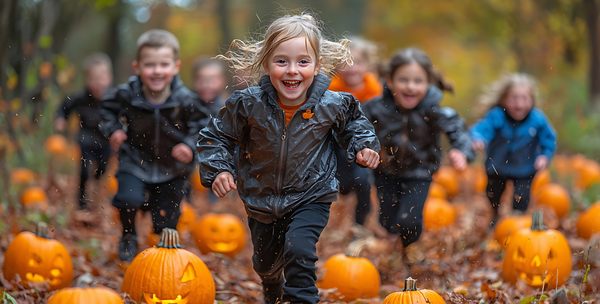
{"points": [[513, 146]]}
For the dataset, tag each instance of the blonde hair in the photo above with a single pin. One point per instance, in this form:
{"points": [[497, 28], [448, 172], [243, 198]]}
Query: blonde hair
{"points": [[369, 49], [496, 92], [252, 55]]}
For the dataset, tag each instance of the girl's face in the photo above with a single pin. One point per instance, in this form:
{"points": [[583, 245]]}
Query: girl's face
{"points": [[354, 76], [518, 101], [292, 67], [409, 85]]}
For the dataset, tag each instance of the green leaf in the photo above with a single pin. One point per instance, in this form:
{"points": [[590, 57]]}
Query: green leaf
{"points": [[7, 298], [527, 300], [104, 3], [32, 77], [585, 277], [45, 41]]}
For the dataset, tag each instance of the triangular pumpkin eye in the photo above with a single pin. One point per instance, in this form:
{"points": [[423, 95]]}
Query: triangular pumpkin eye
{"points": [[59, 262], [519, 255], [551, 254], [189, 273], [35, 260]]}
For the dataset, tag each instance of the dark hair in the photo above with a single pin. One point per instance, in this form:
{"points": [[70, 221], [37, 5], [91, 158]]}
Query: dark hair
{"points": [[95, 59], [156, 39], [206, 61], [414, 55]]}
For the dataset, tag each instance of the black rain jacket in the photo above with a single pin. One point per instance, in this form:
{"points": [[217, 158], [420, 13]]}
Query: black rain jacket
{"points": [[88, 109], [152, 133], [282, 167], [410, 139]]}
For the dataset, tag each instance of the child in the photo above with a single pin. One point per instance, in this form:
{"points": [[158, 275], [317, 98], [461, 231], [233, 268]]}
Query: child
{"points": [[209, 83], [162, 121], [408, 121], [358, 80], [287, 168], [518, 138], [95, 150]]}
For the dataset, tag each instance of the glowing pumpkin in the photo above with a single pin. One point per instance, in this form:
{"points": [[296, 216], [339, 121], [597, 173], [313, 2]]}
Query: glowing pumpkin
{"points": [[169, 274], [353, 276], [438, 213], [506, 228], [437, 191], [447, 177], [37, 258], [76, 295], [556, 197], [220, 233], [35, 198], [539, 256], [412, 295], [588, 223], [56, 144]]}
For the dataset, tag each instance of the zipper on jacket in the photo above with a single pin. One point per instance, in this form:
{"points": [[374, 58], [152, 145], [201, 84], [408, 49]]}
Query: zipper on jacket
{"points": [[404, 137], [156, 137]]}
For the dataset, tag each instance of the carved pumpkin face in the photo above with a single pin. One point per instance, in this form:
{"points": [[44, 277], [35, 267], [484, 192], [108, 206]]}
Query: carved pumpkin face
{"points": [[410, 294], [589, 222], [534, 251], [220, 233], [76, 295], [168, 274], [438, 213], [38, 259]]}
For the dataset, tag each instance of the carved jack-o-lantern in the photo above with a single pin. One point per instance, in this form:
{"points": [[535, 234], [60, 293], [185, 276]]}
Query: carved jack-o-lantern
{"points": [[169, 274], [36, 258], [538, 255], [221, 233]]}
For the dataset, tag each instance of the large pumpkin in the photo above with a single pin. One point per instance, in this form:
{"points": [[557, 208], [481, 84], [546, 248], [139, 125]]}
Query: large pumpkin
{"points": [[34, 198], [438, 213], [220, 233], [508, 227], [588, 223], [169, 274], [447, 177], [539, 256], [56, 144], [540, 179], [556, 197], [353, 276], [412, 295], [76, 295], [437, 191], [37, 258]]}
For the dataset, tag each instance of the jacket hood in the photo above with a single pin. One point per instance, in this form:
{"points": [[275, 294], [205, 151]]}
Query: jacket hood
{"points": [[433, 97], [314, 93]]}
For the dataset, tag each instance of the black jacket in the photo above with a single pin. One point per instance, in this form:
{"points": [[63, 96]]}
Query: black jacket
{"points": [[282, 167], [410, 139], [213, 106], [88, 109], [152, 133]]}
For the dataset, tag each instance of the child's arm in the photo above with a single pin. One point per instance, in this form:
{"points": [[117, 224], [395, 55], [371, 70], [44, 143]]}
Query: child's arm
{"points": [[547, 140], [216, 145], [111, 126], [196, 118], [355, 133], [484, 130], [454, 126], [62, 113]]}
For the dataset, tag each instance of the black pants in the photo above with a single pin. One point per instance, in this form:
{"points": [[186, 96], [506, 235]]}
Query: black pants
{"points": [[352, 177], [94, 152], [402, 202], [497, 184], [163, 201], [288, 246]]}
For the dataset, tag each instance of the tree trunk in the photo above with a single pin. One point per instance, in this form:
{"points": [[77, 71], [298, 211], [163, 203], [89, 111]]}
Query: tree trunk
{"points": [[223, 12], [591, 18]]}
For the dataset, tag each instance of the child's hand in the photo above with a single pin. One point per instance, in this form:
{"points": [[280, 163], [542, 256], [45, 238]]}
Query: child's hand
{"points": [[541, 162], [478, 145], [117, 138], [223, 184], [59, 124], [182, 153], [459, 160], [367, 158]]}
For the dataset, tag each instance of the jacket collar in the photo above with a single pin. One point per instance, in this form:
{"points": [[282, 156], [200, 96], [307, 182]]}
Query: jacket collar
{"points": [[513, 121], [314, 93], [139, 100]]}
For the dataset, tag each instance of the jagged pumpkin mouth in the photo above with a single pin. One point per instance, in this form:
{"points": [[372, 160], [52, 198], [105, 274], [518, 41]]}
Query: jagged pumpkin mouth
{"points": [[535, 279], [152, 299], [223, 246], [38, 278]]}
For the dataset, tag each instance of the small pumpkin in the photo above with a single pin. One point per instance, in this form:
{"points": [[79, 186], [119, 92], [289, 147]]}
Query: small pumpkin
{"points": [[588, 223], [220, 233], [56, 144], [561, 164], [411, 294], [540, 179], [37, 258], [479, 179], [21, 176], [447, 177], [539, 256], [95, 295], [195, 181], [187, 218], [438, 213], [169, 274], [354, 276], [587, 175], [35, 198], [506, 228], [437, 191], [556, 197]]}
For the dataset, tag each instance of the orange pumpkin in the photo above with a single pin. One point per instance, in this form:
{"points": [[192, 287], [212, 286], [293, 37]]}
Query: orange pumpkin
{"points": [[506, 228], [578, 162], [556, 197], [539, 256], [76, 295], [169, 274], [220, 233], [561, 164], [111, 185], [587, 175], [21, 176], [187, 218], [196, 183], [540, 179], [589, 222], [479, 179], [353, 276], [447, 177], [56, 144], [35, 198], [411, 294], [438, 213], [37, 258], [437, 191]]}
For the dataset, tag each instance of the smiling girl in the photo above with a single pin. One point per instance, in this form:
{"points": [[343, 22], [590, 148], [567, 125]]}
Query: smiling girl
{"points": [[408, 121], [286, 164]]}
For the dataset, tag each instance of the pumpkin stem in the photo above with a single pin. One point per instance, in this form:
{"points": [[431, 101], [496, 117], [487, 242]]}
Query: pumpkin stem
{"points": [[537, 221], [42, 230], [169, 238], [410, 284], [355, 248]]}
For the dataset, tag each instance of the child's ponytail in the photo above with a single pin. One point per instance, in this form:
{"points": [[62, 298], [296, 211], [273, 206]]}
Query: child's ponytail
{"points": [[441, 82]]}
